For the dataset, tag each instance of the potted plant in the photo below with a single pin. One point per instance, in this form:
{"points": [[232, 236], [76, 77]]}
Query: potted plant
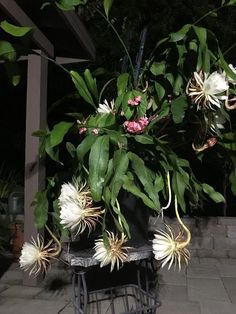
{"points": [[121, 150]]}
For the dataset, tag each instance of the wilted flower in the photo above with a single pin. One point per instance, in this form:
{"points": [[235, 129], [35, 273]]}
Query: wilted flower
{"points": [[112, 252], [205, 89], [106, 107], [36, 257], [136, 126], [170, 248], [77, 211], [210, 142]]}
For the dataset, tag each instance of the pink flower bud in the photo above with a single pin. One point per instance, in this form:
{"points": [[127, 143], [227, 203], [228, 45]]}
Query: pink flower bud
{"points": [[82, 130], [95, 131]]}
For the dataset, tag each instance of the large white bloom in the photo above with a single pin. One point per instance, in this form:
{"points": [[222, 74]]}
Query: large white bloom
{"points": [[170, 249], [35, 256], [112, 252], [207, 90], [77, 211], [106, 107]]}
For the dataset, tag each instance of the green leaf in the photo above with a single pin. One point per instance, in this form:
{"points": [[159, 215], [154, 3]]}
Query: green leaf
{"points": [[82, 88], [91, 83], [178, 108], [158, 68], [178, 85], [179, 186], [17, 31], [122, 83], [144, 176], [71, 149], [144, 139], [160, 90], [177, 36], [225, 66], [107, 4], [98, 162], [41, 209], [232, 180], [7, 51], [12, 69], [130, 186], [120, 164], [201, 33], [84, 147], [215, 196], [58, 132]]}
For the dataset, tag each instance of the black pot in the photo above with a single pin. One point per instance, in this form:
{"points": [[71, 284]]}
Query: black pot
{"points": [[137, 216]]}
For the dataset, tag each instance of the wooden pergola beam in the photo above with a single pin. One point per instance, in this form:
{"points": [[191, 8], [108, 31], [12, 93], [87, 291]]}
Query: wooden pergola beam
{"points": [[13, 10], [36, 115], [78, 29]]}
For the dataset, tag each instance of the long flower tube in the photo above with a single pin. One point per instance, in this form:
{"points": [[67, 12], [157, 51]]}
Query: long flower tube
{"points": [[168, 248]]}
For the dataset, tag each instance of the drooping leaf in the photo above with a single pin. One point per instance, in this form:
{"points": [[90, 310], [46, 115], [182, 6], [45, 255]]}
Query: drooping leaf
{"points": [[13, 72], [7, 51], [178, 108], [160, 90], [144, 175], [144, 139], [82, 88], [84, 147], [215, 196], [131, 187], [41, 208], [91, 83], [179, 35], [98, 162], [120, 164], [17, 31], [58, 132], [158, 68], [107, 4]]}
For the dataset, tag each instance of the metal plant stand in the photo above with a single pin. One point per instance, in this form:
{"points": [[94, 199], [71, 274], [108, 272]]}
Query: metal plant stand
{"points": [[117, 296]]}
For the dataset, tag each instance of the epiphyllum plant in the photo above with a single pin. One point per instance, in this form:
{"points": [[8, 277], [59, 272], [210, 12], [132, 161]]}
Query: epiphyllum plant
{"points": [[127, 141]]}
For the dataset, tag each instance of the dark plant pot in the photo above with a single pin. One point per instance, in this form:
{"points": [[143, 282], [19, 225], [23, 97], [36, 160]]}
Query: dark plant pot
{"points": [[137, 216]]}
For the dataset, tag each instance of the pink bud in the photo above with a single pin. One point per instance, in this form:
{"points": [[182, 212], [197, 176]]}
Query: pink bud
{"points": [[95, 131], [82, 130]]}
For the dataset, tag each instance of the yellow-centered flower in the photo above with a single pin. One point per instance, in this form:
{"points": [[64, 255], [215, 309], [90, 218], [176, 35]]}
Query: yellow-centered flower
{"points": [[113, 251]]}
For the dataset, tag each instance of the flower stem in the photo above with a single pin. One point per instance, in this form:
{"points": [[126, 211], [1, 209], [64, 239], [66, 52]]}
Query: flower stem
{"points": [[120, 40], [188, 238], [56, 240], [169, 192]]}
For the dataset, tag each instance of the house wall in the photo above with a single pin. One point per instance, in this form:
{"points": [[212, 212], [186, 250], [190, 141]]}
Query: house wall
{"points": [[211, 236]]}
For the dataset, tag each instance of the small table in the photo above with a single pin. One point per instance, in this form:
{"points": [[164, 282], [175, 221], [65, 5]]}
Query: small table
{"points": [[121, 297]]}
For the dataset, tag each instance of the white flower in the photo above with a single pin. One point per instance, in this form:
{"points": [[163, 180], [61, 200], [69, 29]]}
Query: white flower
{"points": [[106, 107], [168, 248], [112, 251], [206, 90], [77, 211], [35, 256], [233, 81]]}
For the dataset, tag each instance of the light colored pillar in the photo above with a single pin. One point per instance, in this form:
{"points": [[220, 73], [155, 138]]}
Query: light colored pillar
{"points": [[36, 109]]}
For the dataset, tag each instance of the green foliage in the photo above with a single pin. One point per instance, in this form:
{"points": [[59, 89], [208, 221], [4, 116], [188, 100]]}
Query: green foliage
{"points": [[17, 31]]}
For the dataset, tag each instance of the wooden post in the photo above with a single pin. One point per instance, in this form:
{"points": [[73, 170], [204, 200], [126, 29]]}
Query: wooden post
{"points": [[36, 108]]}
